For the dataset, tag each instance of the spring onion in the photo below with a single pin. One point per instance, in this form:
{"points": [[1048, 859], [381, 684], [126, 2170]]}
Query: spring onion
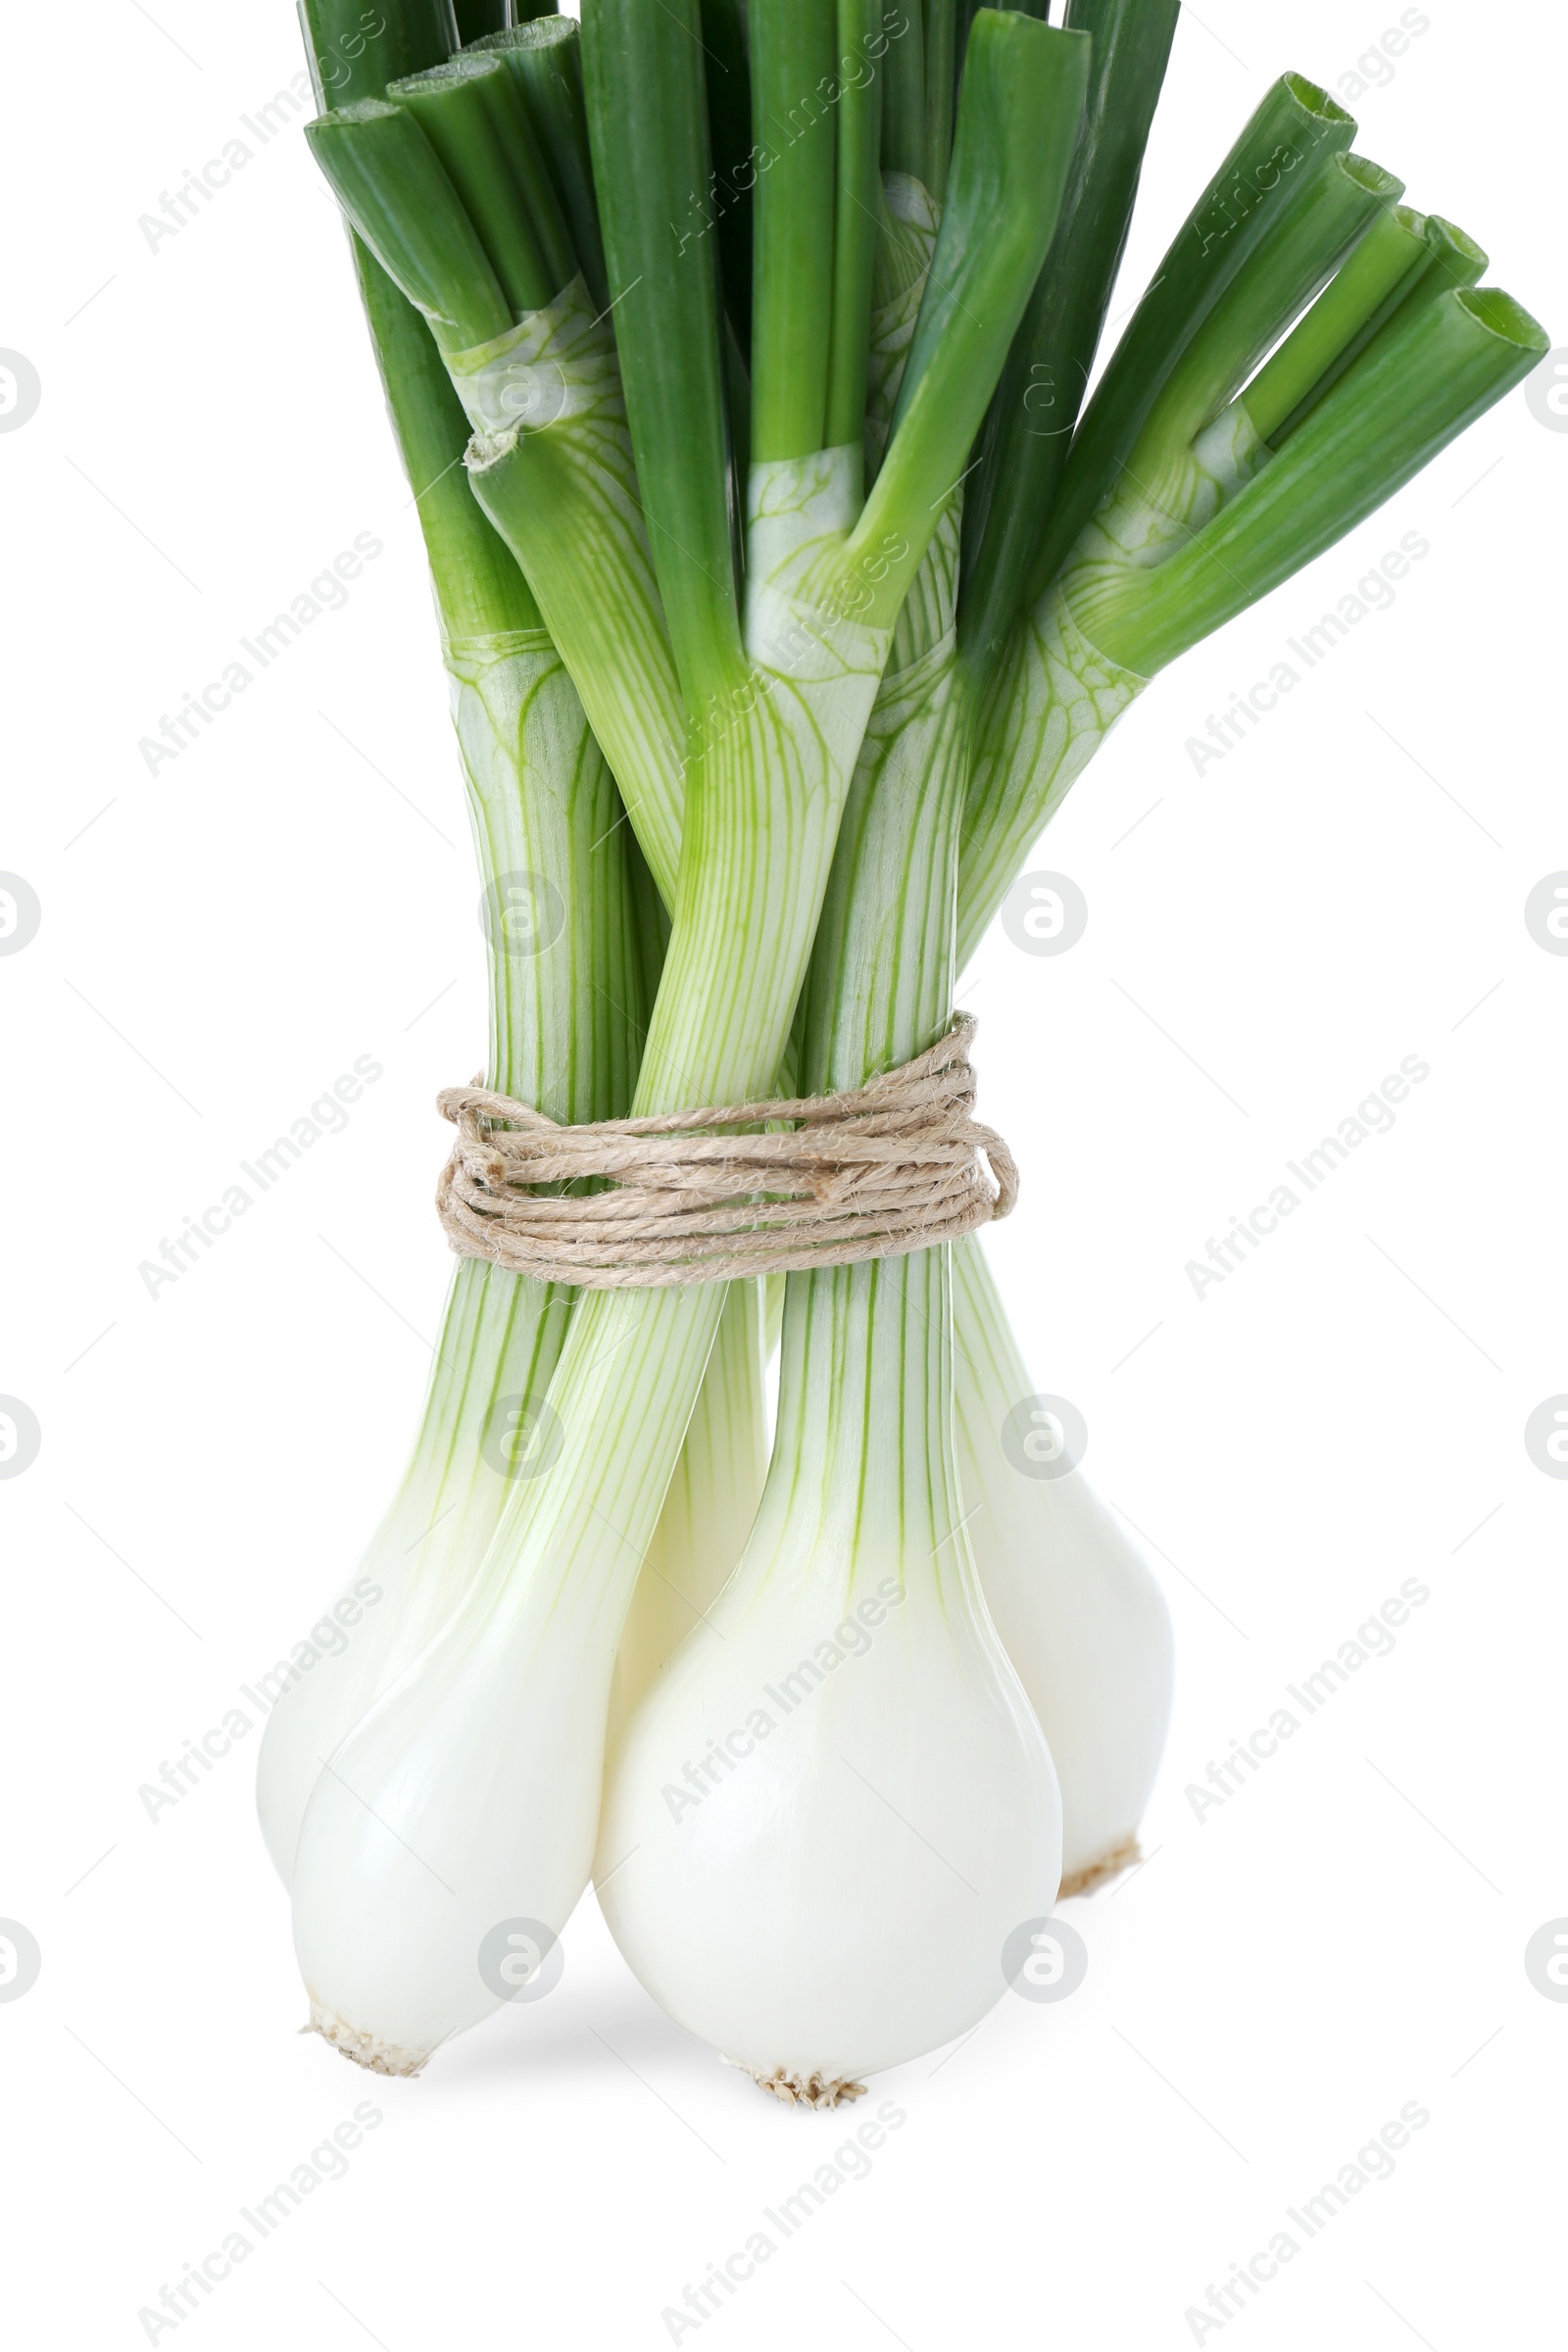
{"points": [[725, 465]]}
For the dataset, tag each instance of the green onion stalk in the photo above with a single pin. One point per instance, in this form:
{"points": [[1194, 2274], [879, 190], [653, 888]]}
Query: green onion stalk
{"points": [[475, 1771], [573, 940]]}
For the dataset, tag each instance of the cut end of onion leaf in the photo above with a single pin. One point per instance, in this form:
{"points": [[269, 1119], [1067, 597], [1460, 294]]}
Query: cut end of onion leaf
{"points": [[395, 191], [539, 29], [1383, 187], [1454, 254], [1429, 375], [471, 112]]}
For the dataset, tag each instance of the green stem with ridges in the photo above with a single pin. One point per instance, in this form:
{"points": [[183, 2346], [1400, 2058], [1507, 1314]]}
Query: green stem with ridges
{"points": [[545, 60], [793, 59], [396, 193], [506, 97], [1452, 262], [1311, 236], [903, 121], [565, 500], [863, 1474], [1340, 324], [647, 120], [1421, 384], [1029, 428], [1446, 261], [1018, 116], [479, 589], [1294, 133], [728, 78], [940, 32], [856, 206]]}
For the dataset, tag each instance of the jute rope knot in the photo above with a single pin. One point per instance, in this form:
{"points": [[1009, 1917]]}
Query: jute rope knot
{"points": [[707, 1196]]}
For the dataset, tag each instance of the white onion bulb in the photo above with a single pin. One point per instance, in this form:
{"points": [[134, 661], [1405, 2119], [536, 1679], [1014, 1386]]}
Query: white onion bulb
{"points": [[1078, 1612]]}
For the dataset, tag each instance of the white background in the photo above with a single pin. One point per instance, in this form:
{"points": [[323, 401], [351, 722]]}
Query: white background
{"points": [[1343, 1935]]}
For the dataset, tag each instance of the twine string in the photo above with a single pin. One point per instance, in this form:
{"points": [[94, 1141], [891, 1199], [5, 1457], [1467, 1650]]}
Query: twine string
{"points": [[897, 1165]]}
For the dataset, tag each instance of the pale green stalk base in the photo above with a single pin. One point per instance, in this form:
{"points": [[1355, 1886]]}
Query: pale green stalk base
{"points": [[709, 1507], [1055, 701]]}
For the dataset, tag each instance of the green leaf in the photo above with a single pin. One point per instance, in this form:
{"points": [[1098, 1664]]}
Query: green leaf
{"points": [[1428, 378], [1296, 132], [1029, 430], [648, 124], [390, 181]]}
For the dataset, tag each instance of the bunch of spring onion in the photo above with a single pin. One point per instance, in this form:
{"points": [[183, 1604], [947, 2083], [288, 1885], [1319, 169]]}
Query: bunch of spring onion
{"points": [[737, 352]]}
